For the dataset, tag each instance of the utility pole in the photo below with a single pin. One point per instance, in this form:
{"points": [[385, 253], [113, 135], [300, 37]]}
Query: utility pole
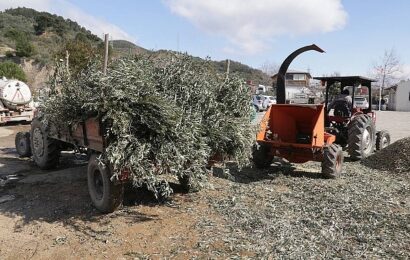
{"points": [[106, 40], [177, 42], [67, 57], [380, 90], [228, 65]]}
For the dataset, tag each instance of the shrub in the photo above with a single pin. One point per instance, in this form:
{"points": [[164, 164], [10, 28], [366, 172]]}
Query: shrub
{"points": [[24, 48], [11, 70]]}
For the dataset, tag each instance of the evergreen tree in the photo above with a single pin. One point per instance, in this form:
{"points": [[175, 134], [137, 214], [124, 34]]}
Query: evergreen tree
{"points": [[11, 70]]}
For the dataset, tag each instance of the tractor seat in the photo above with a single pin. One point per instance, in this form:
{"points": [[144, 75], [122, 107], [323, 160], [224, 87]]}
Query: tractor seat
{"points": [[341, 108]]}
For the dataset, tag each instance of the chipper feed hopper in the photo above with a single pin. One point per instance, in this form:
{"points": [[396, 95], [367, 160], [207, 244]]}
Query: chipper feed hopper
{"points": [[297, 132]]}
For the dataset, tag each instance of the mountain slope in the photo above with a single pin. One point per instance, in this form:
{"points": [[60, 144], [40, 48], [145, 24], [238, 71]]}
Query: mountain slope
{"points": [[40, 36], [245, 71]]}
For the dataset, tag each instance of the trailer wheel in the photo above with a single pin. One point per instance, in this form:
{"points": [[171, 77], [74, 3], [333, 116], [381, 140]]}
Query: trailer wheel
{"points": [[106, 195], [261, 155], [382, 139], [332, 161], [46, 153], [22, 142], [361, 137], [188, 184]]}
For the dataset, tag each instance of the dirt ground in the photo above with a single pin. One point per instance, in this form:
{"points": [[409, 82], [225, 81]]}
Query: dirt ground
{"points": [[286, 211]]}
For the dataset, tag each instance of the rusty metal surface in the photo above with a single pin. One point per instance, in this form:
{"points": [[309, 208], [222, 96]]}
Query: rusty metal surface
{"points": [[86, 135]]}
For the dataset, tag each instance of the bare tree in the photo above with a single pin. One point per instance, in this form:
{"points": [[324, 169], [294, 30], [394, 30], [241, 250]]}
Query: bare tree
{"points": [[269, 68], [386, 69]]}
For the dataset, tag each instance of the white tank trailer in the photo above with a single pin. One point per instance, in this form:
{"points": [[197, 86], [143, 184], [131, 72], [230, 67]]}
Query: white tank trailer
{"points": [[16, 102]]}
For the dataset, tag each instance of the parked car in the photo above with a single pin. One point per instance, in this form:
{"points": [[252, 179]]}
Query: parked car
{"points": [[257, 101], [268, 101], [361, 102], [383, 107], [261, 89]]}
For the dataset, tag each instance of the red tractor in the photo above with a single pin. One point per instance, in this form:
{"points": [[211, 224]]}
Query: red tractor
{"points": [[319, 132], [349, 115]]}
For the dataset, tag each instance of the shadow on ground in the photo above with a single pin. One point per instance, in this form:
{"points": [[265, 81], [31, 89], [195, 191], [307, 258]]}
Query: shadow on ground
{"points": [[249, 175], [61, 196], [8, 151]]}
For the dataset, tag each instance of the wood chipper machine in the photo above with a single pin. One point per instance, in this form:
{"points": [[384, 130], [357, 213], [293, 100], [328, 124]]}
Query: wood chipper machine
{"points": [[296, 132]]}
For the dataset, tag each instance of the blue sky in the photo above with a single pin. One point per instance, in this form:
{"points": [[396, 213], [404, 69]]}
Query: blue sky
{"points": [[353, 33]]}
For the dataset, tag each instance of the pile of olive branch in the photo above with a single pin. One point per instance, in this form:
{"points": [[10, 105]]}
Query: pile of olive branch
{"points": [[167, 115], [394, 158]]}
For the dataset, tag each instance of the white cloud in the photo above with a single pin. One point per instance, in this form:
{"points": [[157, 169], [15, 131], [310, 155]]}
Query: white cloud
{"points": [[251, 25], [66, 9]]}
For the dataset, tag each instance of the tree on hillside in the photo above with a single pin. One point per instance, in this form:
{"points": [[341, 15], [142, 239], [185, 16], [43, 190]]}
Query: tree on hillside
{"points": [[385, 70], [81, 51], [43, 22], [13, 34], [11, 70], [80, 55], [24, 48]]}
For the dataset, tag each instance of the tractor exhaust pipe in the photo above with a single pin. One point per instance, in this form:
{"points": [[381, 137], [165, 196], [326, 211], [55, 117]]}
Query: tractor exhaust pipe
{"points": [[280, 83]]}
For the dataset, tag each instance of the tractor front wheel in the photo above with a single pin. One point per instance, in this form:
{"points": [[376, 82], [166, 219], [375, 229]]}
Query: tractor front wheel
{"points": [[382, 139], [332, 161]]}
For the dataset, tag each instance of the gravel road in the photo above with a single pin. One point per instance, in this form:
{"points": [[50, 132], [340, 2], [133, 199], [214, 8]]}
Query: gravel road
{"points": [[397, 123]]}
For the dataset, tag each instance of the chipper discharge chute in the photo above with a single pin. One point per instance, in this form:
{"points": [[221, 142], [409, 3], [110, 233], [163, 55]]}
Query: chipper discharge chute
{"points": [[297, 132]]}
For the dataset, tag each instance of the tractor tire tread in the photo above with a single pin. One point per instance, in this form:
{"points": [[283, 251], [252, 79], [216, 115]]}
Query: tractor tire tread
{"points": [[355, 131], [113, 193], [52, 151], [26, 138], [379, 137], [329, 162]]}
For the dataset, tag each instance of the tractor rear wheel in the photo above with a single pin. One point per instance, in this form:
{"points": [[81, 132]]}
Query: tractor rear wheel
{"points": [[105, 195], [261, 155], [332, 161], [46, 152], [22, 142], [361, 137], [382, 139]]}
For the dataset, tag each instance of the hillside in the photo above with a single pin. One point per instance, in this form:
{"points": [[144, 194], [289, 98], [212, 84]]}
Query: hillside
{"points": [[245, 71], [45, 32], [123, 48], [248, 73], [39, 38]]}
